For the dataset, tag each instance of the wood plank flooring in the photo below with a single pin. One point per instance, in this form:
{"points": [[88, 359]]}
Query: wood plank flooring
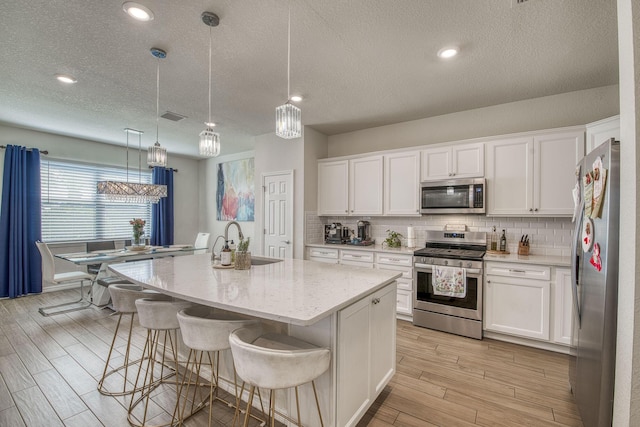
{"points": [[49, 368]]}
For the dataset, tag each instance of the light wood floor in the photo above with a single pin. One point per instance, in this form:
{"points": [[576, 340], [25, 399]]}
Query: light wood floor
{"points": [[49, 368]]}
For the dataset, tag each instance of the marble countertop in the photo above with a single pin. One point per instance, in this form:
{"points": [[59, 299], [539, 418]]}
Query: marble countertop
{"points": [[555, 261], [371, 248], [291, 291]]}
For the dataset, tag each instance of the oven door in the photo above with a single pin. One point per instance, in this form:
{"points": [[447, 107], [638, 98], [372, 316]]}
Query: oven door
{"points": [[469, 307]]}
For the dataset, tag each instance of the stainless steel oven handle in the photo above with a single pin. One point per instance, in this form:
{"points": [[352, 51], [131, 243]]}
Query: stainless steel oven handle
{"points": [[428, 267]]}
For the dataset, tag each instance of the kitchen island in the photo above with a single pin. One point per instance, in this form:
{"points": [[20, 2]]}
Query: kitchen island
{"points": [[349, 310]]}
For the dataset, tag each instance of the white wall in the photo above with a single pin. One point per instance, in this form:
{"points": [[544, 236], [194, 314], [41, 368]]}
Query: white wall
{"points": [[567, 109], [626, 411], [207, 213], [63, 147]]}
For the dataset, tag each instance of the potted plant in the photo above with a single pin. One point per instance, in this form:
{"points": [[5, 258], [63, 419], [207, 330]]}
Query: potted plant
{"points": [[243, 256], [393, 239]]}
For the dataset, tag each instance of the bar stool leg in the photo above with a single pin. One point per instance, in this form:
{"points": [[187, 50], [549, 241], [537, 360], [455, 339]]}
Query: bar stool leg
{"points": [[315, 393], [248, 413]]}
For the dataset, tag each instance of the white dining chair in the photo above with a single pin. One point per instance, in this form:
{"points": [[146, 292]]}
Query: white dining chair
{"points": [[202, 241], [49, 277]]}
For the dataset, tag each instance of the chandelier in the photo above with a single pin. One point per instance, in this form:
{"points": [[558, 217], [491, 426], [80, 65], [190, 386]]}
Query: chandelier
{"points": [[156, 154], [288, 116], [132, 192], [210, 140]]}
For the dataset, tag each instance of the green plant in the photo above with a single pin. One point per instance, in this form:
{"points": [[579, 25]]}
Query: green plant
{"points": [[243, 245], [393, 239]]}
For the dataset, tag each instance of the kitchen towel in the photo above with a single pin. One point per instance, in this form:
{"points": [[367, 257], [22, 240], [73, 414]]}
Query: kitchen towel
{"points": [[449, 281]]}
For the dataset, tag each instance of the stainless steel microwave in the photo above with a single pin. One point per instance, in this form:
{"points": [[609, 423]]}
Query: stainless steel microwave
{"points": [[453, 196]]}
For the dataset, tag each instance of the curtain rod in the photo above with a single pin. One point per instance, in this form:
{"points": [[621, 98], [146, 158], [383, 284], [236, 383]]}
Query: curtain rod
{"points": [[175, 170], [29, 149]]}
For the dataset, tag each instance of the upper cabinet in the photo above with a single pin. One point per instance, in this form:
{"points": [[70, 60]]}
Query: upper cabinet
{"points": [[601, 131], [456, 161], [533, 175], [402, 183], [350, 187]]}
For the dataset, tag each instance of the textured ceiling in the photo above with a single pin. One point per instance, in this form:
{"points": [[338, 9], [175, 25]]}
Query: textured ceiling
{"points": [[358, 63]]}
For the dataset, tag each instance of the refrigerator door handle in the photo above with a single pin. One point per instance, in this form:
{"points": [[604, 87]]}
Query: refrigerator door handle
{"points": [[574, 262]]}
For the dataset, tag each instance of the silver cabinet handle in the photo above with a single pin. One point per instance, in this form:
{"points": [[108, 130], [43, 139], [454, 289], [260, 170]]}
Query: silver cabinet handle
{"points": [[511, 270], [536, 209], [530, 210], [375, 300]]}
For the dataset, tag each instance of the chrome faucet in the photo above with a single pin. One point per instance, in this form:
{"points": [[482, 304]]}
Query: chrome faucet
{"points": [[226, 230]]}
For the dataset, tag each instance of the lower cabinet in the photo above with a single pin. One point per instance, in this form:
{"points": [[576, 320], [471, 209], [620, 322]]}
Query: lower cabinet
{"points": [[529, 301], [517, 306], [329, 256], [366, 337]]}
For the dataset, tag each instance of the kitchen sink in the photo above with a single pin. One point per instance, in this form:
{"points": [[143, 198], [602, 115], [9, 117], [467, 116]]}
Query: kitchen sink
{"points": [[263, 261]]}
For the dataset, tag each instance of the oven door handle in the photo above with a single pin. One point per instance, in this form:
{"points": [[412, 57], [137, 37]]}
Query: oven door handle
{"points": [[428, 267]]}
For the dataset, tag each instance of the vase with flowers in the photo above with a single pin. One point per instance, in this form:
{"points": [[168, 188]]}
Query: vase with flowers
{"points": [[137, 243]]}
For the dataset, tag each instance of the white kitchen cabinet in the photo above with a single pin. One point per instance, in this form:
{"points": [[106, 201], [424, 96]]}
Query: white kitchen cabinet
{"points": [[333, 188], [402, 183], [455, 161], [366, 335], [563, 307], [350, 187], [356, 258], [402, 263], [329, 256], [601, 131], [365, 186], [533, 174], [517, 300]]}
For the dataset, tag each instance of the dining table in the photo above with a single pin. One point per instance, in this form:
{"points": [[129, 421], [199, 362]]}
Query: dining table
{"points": [[99, 294]]}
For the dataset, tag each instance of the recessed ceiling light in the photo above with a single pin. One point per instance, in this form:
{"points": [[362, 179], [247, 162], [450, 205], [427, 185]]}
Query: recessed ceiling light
{"points": [[137, 11], [66, 78], [296, 98], [210, 124], [448, 52]]}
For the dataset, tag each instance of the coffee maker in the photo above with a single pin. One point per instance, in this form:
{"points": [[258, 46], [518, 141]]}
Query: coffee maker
{"points": [[364, 231]]}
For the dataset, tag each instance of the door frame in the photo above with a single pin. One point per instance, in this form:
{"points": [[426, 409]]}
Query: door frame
{"points": [[290, 210]]}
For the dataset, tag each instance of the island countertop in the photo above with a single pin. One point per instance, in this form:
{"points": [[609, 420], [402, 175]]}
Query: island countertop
{"points": [[290, 291]]}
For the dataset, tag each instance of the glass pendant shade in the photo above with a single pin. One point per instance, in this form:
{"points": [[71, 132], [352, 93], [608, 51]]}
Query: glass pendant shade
{"points": [[209, 143], [157, 155], [288, 121]]}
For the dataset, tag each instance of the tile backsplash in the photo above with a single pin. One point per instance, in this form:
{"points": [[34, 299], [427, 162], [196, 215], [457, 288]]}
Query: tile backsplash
{"points": [[547, 236]]}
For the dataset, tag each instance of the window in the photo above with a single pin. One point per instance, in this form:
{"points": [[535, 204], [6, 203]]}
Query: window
{"points": [[71, 209]]}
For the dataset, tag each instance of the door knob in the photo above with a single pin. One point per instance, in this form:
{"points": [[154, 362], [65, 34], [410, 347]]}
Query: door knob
{"points": [[286, 241]]}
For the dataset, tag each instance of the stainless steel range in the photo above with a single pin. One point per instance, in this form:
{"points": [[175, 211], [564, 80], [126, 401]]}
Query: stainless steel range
{"points": [[458, 313]]}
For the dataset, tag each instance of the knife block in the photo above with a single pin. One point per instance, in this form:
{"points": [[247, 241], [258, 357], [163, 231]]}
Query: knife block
{"points": [[522, 249]]}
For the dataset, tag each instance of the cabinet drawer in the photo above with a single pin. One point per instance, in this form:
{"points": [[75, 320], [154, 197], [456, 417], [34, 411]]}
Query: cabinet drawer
{"points": [[407, 272], [392, 259], [360, 256], [323, 253], [404, 302], [324, 260], [356, 263], [405, 284], [525, 271]]}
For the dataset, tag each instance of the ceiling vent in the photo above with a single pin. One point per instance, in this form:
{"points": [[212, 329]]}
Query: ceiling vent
{"points": [[516, 2], [174, 117]]}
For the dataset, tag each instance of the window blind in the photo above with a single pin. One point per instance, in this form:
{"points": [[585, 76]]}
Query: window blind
{"points": [[72, 210]]}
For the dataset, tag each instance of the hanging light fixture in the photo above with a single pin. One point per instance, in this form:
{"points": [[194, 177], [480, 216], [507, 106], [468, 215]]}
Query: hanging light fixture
{"points": [[210, 140], [132, 192], [288, 116], [156, 154]]}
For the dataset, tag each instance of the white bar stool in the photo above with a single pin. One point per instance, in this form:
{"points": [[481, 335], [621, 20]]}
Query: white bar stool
{"points": [[159, 317], [124, 297], [206, 331], [275, 362]]}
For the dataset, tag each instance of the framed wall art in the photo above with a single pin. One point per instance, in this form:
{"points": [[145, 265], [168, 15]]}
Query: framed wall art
{"points": [[235, 195]]}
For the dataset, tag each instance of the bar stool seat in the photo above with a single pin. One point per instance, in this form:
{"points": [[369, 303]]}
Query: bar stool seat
{"points": [[276, 361], [206, 331], [159, 317], [124, 297]]}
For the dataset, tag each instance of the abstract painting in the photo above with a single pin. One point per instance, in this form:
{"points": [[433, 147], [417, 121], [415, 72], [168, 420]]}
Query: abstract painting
{"points": [[235, 195]]}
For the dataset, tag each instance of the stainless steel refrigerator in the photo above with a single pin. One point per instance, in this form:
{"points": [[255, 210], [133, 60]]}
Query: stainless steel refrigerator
{"points": [[595, 288]]}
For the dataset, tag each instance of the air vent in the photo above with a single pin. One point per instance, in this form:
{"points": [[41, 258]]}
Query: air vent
{"points": [[174, 117], [518, 2]]}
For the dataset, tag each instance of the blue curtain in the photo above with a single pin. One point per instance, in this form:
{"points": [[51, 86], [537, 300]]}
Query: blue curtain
{"points": [[162, 212], [20, 223]]}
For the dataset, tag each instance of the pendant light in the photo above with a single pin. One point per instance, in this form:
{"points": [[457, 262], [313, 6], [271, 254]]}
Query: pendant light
{"points": [[132, 192], [209, 140], [288, 116], [156, 154]]}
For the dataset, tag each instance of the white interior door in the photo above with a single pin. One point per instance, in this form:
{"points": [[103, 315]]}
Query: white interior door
{"points": [[278, 214]]}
